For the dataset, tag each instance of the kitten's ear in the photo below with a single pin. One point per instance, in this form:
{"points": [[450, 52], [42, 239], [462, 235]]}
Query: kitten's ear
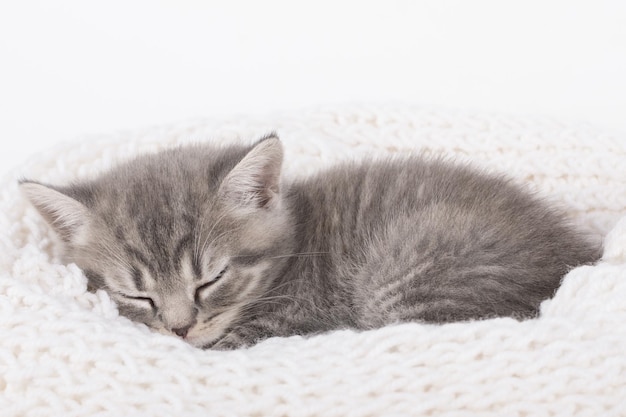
{"points": [[255, 181], [67, 216]]}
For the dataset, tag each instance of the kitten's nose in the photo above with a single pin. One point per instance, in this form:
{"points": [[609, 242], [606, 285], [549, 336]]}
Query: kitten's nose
{"points": [[182, 331]]}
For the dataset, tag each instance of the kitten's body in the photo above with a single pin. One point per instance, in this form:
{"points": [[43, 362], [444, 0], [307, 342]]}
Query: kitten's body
{"points": [[358, 246]]}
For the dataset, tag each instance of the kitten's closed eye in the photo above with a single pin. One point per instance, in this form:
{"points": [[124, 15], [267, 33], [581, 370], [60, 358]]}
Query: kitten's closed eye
{"points": [[199, 290], [147, 301]]}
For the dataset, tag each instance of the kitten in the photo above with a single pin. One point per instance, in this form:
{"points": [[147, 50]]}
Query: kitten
{"points": [[206, 243]]}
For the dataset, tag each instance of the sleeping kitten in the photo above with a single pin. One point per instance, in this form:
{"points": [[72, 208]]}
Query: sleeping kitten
{"points": [[206, 243]]}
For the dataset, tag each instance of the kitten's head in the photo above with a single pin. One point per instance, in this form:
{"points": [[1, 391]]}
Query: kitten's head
{"points": [[183, 240]]}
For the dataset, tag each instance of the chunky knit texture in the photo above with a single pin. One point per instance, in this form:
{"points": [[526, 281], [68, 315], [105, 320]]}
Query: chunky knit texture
{"points": [[66, 352]]}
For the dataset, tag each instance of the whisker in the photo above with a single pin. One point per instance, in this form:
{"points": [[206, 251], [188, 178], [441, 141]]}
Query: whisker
{"points": [[302, 254], [209, 244]]}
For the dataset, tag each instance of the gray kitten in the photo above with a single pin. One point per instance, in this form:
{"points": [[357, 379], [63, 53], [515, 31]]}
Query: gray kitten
{"points": [[206, 243]]}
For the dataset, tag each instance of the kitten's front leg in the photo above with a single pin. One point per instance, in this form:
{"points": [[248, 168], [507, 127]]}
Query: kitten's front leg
{"points": [[249, 334], [230, 341], [280, 323]]}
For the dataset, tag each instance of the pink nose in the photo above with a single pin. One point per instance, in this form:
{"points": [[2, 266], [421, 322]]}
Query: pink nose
{"points": [[182, 331]]}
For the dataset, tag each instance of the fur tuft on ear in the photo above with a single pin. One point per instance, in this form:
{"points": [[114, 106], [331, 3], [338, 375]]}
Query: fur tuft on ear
{"points": [[67, 216], [255, 181]]}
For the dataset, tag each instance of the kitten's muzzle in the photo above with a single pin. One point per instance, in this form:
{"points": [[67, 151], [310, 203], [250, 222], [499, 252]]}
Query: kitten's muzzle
{"points": [[179, 319]]}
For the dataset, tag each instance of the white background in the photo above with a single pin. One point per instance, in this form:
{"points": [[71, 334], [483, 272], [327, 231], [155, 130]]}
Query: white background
{"points": [[74, 67]]}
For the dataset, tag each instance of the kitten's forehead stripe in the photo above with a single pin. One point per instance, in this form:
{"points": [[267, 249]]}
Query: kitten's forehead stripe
{"points": [[182, 245], [138, 256], [196, 267], [185, 252], [154, 230], [186, 269], [138, 279]]}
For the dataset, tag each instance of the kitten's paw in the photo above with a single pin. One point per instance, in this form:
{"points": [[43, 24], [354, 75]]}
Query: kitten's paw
{"points": [[229, 341]]}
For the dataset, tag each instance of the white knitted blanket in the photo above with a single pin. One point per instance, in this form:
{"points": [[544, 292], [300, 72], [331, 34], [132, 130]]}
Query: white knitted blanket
{"points": [[66, 352]]}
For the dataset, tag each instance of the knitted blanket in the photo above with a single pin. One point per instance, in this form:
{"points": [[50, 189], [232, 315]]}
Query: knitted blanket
{"points": [[67, 352]]}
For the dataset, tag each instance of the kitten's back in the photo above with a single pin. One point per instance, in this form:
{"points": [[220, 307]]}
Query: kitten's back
{"points": [[420, 239]]}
